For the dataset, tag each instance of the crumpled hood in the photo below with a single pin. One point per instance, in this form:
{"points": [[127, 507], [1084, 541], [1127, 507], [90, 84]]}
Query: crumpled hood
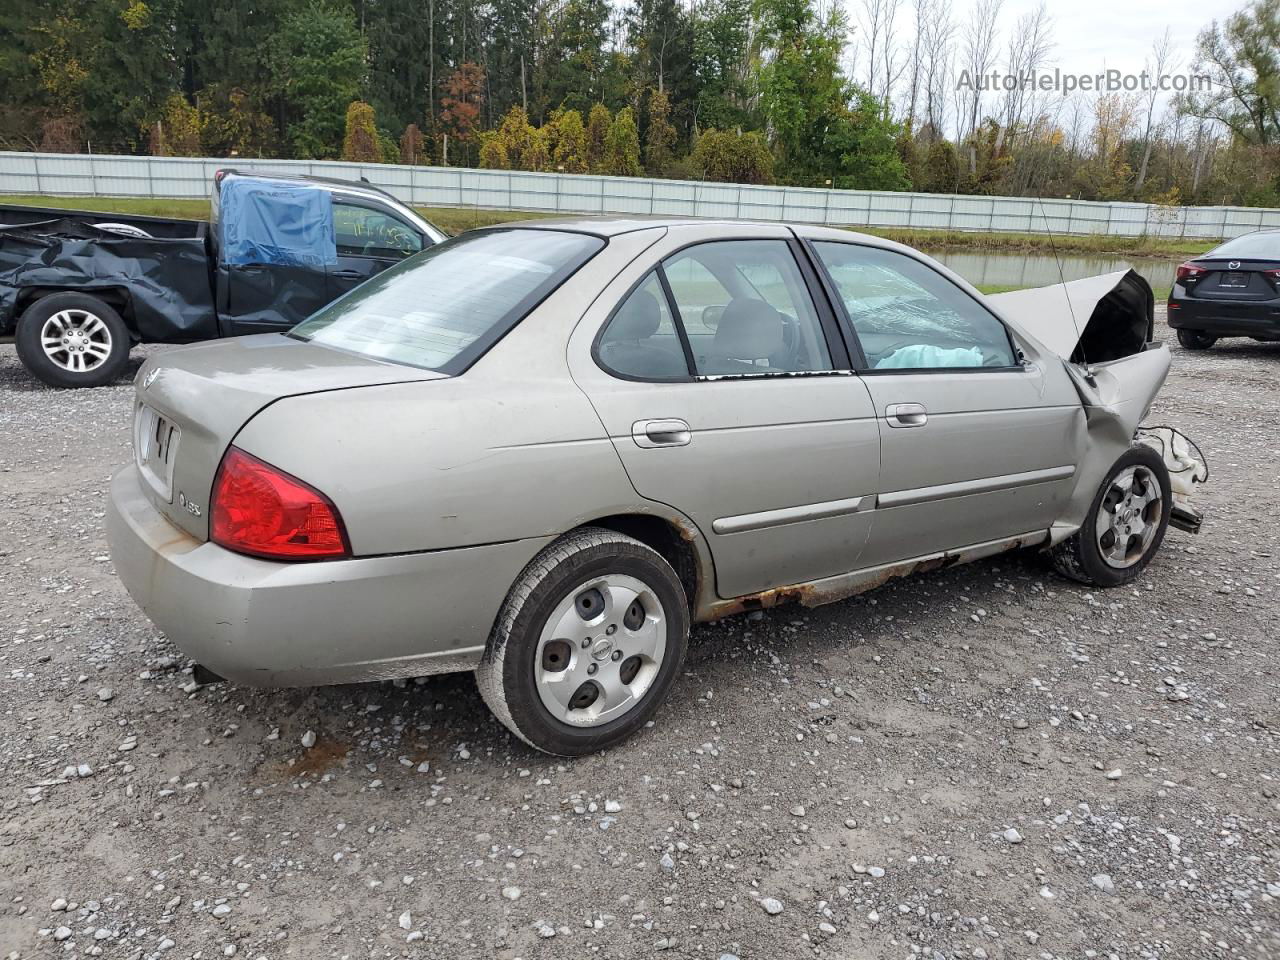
{"points": [[1094, 320]]}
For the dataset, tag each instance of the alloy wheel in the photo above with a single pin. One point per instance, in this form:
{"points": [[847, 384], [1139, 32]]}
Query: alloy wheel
{"points": [[76, 340]]}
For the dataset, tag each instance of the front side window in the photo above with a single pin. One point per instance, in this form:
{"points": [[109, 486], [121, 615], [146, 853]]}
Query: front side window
{"points": [[366, 232], [746, 309], [443, 308], [909, 317]]}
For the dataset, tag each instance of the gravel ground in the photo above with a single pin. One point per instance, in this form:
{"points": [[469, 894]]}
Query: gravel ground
{"points": [[984, 762]]}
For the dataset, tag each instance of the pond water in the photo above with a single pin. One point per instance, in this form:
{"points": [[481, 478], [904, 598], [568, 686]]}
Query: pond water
{"points": [[1040, 270]]}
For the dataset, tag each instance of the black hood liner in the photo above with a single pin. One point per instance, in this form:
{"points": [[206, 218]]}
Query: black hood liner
{"points": [[1122, 323]]}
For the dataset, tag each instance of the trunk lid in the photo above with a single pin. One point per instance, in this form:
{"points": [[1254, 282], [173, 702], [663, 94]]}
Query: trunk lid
{"points": [[190, 404], [1233, 280]]}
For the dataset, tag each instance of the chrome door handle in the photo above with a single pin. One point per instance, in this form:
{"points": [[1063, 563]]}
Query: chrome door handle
{"points": [[906, 414], [661, 433]]}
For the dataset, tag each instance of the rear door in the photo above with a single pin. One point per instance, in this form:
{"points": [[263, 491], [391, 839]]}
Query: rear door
{"points": [[724, 386], [370, 238], [978, 442]]}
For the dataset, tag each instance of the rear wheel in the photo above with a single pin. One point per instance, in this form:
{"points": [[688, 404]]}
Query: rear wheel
{"points": [[1196, 339], [1125, 525], [587, 645], [73, 340]]}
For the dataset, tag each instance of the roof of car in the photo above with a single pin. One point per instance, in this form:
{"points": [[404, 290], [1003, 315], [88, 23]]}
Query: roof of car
{"points": [[612, 226]]}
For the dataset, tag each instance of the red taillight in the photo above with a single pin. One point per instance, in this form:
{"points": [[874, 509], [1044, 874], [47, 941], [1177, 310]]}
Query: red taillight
{"points": [[1189, 271], [264, 512]]}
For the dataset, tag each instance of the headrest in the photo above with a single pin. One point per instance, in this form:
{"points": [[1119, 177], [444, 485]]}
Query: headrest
{"points": [[749, 330], [637, 319]]}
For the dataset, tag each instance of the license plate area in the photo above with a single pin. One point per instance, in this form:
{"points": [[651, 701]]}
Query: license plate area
{"points": [[155, 446], [1233, 281]]}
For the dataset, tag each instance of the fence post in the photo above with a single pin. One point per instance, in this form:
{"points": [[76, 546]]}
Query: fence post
{"points": [[39, 188]]}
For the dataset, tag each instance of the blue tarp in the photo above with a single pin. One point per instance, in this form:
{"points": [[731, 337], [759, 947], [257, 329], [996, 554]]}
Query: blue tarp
{"points": [[275, 222]]}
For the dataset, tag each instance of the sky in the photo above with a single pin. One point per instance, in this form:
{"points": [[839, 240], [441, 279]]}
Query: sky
{"points": [[1094, 34]]}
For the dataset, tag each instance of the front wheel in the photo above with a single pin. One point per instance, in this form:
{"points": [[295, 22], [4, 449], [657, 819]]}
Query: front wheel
{"points": [[73, 340], [587, 645], [1125, 524], [1196, 339]]}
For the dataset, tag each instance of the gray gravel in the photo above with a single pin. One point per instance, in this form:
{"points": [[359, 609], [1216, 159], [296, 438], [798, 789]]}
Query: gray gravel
{"points": [[983, 762]]}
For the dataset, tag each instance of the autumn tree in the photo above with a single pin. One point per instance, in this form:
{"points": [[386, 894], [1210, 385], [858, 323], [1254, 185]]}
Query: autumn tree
{"points": [[537, 155], [660, 136], [622, 146], [570, 142], [411, 144], [727, 156], [515, 132], [232, 125], [598, 122], [360, 142], [461, 102], [493, 152]]}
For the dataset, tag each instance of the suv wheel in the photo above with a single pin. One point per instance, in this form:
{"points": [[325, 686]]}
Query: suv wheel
{"points": [[73, 340], [587, 645], [1124, 526], [1196, 339]]}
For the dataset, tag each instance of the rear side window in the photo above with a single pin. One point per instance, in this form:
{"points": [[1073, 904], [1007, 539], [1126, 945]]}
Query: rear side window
{"points": [[443, 308], [641, 342], [909, 317]]}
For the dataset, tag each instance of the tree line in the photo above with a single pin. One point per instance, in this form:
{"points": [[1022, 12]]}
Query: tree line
{"points": [[758, 91]]}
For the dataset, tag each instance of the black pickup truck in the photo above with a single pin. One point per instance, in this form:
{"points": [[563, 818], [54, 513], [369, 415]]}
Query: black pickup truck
{"points": [[78, 289]]}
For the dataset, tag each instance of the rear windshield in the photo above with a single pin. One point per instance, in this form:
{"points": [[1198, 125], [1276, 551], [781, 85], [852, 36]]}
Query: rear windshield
{"points": [[446, 306], [1251, 246]]}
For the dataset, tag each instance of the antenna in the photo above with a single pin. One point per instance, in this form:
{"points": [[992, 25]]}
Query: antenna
{"points": [[1062, 279]]}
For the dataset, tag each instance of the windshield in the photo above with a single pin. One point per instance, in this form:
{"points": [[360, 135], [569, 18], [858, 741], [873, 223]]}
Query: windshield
{"points": [[443, 308], [1251, 246]]}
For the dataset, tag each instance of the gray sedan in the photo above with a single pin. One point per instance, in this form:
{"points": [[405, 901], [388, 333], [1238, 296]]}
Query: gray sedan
{"points": [[540, 452]]}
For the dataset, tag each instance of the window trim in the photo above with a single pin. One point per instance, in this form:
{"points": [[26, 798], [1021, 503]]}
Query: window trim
{"points": [[347, 200], [828, 322], [850, 330]]}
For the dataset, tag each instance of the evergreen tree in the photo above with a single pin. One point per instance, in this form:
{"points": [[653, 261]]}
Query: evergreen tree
{"points": [[622, 146], [322, 58], [598, 122], [660, 135], [360, 141]]}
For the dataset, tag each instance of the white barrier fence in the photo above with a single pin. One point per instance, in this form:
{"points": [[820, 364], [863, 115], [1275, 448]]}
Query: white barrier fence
{"points": [[91, 176]]}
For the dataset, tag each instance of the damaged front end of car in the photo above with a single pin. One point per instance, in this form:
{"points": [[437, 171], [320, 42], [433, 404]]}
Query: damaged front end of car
{"points": [[1103, 329]]}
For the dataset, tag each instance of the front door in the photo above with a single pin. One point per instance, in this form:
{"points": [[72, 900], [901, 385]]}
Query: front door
{"points": [[979, 442], [724, 386]]}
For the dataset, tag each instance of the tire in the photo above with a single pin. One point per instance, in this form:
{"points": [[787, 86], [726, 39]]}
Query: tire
{"points": [[536, 659], [1087, 556], [1196, 339], [65, 331]]}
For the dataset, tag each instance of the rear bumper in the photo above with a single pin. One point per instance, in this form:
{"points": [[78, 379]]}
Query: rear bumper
{"points": [[305, 624], [1226, 319]]}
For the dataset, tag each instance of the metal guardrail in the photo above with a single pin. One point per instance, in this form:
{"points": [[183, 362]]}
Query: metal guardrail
{"points": [[85, 175]]}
